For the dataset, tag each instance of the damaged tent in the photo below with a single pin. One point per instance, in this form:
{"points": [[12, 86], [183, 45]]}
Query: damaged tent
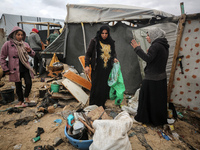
{"points": [[82, 23]]}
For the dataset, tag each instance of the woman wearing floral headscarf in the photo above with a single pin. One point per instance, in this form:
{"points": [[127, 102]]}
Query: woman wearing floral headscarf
{"points": [[18, 66], [101, 55], [152, 108]]}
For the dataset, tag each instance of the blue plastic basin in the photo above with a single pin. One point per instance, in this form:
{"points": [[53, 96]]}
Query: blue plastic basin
{"points": [[80, 144]]}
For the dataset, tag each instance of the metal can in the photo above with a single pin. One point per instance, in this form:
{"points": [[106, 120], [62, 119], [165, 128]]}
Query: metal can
{"points": [[36, 139]]}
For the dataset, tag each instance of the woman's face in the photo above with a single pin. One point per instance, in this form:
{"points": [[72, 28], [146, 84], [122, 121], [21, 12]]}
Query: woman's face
{"points": [[19, 35], [148, 38], [104, 34]]}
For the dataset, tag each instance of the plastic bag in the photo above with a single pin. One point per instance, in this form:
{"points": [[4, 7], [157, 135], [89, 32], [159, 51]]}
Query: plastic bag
{"points": [[116, 83]]}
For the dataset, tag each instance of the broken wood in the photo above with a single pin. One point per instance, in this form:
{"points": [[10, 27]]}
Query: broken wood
{"points": [[76, 91], [61, 96], [87, 125], [86, 119], [78, 79], [82, 61]]}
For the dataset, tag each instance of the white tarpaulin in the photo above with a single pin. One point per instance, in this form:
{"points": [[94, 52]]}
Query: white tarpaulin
{"points": [[109, 12]]}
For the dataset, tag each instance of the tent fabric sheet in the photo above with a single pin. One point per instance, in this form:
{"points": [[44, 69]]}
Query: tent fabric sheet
{"points": [[186, 87], [57, 46], [109, 12], [73, 47], [122, 34]]}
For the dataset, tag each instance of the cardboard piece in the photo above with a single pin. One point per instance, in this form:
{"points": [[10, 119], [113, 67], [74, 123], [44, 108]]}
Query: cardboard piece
{"points": [[76, 91], [78, 79], [96, 113]]}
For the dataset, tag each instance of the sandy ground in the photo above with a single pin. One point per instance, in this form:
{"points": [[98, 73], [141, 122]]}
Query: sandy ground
{"points": [[187, 127]]}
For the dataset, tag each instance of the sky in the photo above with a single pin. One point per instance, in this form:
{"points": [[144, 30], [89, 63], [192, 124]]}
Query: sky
{"points": [[57, 8]]}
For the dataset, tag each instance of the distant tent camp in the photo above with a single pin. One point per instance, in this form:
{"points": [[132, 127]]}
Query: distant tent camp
{"points": [[8, 21], [83, 21]]}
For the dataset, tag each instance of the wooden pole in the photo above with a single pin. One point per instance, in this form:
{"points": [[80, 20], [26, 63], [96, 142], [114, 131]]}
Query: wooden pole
{"points": [[176, 52], [84, 40], [48, 30]]}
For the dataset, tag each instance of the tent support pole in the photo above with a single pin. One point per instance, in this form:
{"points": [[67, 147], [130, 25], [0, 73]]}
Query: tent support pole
{"points": [[82, 25], [48, 31], [176, 52]]}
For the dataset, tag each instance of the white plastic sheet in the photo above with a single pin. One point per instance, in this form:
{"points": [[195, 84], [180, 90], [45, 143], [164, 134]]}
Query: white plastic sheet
{"points": [[132, 104]]}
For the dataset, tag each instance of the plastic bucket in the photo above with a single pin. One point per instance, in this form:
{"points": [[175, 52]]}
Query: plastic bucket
{"points": [[55, 88], [42, 93], [80, 144], [7, 96]]}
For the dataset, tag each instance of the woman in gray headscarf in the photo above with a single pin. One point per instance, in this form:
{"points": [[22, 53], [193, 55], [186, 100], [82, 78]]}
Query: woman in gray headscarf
{"points": [[152, 108]]}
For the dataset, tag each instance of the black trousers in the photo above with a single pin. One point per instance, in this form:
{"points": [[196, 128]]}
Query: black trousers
{"points": [[37, 61], [28, 86]]}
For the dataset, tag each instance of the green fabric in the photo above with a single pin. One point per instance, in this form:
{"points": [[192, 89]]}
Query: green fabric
{"points": [[116, 83]]}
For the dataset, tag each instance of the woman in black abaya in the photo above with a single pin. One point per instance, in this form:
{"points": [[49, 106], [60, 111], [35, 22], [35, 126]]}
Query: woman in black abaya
{"points": [[101, 55], [152, 108]]}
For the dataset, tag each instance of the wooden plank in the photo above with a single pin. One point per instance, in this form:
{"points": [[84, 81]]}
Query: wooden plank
{"points": [[76, 91], [78, 79], [96, 113], [82, 61], [176, 52]]}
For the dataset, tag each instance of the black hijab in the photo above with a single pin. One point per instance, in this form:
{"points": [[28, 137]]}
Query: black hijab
{"points": [[108, 40]]}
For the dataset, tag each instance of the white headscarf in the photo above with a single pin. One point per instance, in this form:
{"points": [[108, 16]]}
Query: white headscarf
{"points": [[155, 33]]}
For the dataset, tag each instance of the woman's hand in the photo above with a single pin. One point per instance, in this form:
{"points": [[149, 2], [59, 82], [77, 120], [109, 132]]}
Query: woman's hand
{"points": [[87, 69], [134, 44], [115, 60], [28, 49]]}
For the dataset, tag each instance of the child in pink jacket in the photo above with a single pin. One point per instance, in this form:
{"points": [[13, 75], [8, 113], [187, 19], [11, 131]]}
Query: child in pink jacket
{"points": [[18, 66]]}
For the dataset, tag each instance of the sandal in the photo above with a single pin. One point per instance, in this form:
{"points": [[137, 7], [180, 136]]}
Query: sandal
{"points": [[21, 106]]}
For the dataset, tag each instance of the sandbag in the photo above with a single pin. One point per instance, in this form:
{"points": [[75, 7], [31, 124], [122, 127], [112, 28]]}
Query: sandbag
{"points": [[112, 134], [116, 83]]}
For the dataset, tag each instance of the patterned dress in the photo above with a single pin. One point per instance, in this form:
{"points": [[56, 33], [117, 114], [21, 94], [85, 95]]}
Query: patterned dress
{"points": [[100, 89]]}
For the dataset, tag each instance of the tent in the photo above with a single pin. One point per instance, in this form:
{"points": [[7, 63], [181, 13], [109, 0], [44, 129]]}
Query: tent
{"points": [[82, 23], [8, 21]]}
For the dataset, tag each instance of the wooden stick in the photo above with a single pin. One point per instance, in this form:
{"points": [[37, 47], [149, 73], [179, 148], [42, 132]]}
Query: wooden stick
{"points": [[87, 125], [176, 52], [86, 119]]}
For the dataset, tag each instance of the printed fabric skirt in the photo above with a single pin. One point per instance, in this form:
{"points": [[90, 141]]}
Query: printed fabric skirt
{"points": [[152, 108]]}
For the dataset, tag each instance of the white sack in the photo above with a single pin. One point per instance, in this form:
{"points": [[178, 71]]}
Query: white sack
{"points": [[112, 134]]}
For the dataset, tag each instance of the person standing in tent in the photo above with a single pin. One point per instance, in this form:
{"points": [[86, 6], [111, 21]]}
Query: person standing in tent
{"points": [[101, 55], [18, 66], [152, 108], [52, 36], [35, 43]]}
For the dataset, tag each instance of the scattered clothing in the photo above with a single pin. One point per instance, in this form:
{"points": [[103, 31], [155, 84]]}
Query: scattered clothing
{"points": [[14, 110]]}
